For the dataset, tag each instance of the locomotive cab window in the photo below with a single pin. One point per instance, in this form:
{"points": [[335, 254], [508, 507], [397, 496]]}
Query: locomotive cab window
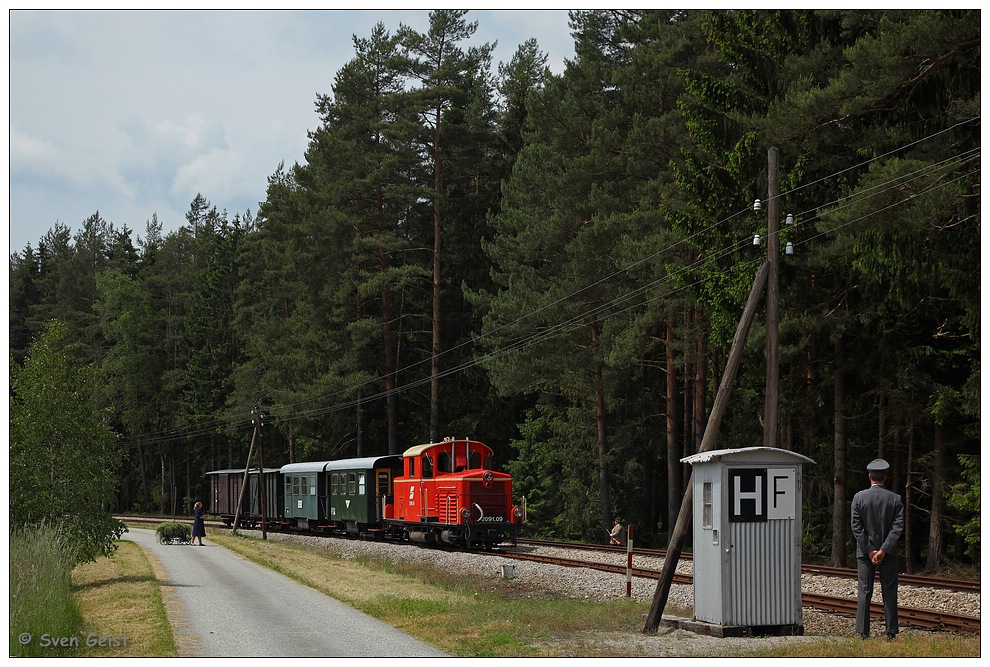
{"points": [[427, 466], [475, 460], [443, 462], [412, 467]]}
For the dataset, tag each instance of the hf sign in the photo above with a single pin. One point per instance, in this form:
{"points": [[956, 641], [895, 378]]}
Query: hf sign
{"points": [[758, 494]]}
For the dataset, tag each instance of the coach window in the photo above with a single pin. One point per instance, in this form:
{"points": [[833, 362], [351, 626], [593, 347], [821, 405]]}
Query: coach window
{"points": [[351, 483], [295, 485], [361, 484], [303, 490]]}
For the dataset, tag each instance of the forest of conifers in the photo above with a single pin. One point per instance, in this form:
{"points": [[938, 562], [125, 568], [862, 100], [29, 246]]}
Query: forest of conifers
{"points": [[556, 265]]}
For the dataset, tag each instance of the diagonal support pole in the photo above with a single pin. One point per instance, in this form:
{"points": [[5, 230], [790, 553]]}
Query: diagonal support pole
{"points": [[244, 482], [683, 524]]}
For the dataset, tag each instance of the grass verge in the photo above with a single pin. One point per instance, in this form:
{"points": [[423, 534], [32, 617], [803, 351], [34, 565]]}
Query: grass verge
{"points": [[121, 606]]}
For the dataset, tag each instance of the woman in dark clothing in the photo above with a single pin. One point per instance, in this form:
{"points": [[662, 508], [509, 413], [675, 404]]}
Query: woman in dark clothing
{"points": [[199, 529]]}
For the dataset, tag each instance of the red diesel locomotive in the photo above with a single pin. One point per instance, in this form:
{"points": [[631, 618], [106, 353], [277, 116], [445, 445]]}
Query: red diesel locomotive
{"points": [[448, 493]]}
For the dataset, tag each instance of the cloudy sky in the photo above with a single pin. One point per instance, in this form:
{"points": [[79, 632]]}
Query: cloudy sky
{"points": [[134, 113]]}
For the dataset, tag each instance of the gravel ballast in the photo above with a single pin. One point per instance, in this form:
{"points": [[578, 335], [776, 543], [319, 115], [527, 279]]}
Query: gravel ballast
{"points": [[542, 581]]}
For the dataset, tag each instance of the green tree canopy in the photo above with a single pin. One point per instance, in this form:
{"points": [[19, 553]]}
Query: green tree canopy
{"points": [[62, 455]]}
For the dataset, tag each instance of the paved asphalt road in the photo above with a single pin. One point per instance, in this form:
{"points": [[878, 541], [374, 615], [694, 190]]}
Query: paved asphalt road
{"points": [[225, 605]]}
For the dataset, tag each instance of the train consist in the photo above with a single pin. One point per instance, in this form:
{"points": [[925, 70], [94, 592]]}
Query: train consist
{"points": [[436, 493]]}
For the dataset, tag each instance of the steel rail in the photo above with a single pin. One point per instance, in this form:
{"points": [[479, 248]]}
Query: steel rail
{"points": [[824, 570], [960, 585], [924, 618]]}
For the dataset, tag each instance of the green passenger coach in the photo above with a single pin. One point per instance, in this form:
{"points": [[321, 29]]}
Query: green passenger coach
{"points": [[347, 495], [305, 494], [359, 490]]}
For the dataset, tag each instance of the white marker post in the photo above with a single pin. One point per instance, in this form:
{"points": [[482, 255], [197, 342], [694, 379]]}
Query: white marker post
{"points": [[629, 548]]}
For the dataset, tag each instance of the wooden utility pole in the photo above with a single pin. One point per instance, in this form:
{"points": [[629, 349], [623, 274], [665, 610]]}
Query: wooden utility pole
{"points": [[771, 400], [680, 532], [261, 477]]}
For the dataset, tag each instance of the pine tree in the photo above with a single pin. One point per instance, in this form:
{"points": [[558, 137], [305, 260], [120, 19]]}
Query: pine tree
{"points": [[446, 76]]}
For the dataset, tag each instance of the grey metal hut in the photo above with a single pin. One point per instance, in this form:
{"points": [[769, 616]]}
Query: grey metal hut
{"points": [[747, 540]]}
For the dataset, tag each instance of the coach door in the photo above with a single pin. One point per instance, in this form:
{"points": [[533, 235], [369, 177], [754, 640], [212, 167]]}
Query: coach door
{"points": [[383, 491]]}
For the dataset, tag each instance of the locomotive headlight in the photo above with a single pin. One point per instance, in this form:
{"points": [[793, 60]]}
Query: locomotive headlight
{"points": [[517, 513], [466, 513]]}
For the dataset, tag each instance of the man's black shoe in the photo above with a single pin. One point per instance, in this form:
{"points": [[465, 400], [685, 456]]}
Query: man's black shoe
{"points": [[864, 635], [890, 636]]}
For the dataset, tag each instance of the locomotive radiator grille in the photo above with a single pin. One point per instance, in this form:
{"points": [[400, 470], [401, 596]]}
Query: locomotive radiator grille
{"points": [[448, 509]]}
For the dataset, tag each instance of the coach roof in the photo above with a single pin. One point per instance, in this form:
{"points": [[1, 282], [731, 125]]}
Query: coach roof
{"points": [[365, 463], [309, 466]]}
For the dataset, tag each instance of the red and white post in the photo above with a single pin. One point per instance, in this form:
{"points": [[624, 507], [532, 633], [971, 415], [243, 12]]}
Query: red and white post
{"points": [[629, 548]]}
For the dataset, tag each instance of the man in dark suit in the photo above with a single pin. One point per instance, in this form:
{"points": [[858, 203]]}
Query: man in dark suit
{"points": [[877, 525]]}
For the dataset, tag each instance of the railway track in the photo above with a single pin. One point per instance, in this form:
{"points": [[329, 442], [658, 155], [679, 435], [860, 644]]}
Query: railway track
{"points": [[922, 618], [909, 579], [823, 570]]}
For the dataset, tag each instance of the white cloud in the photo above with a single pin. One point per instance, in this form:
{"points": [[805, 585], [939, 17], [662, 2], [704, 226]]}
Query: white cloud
{"points": [[28, 151], [222, 176], [135, 112]]}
